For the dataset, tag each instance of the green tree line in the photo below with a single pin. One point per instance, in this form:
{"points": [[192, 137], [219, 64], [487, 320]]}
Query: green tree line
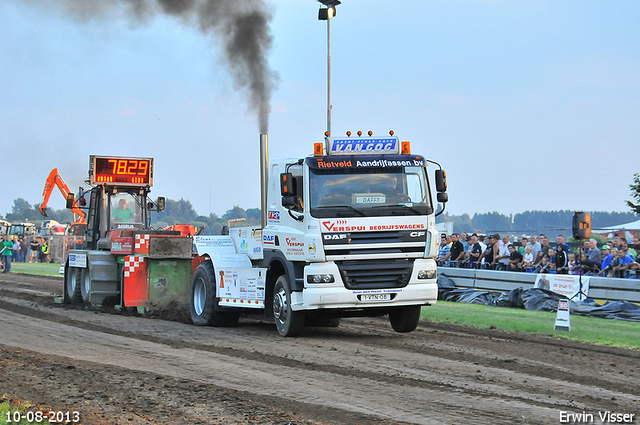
{"points": [[548, 222], [175, 212], [182, 212]]}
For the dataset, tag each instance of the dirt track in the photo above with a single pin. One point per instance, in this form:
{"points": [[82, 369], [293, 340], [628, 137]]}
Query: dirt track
{"points": [[114, 368]]}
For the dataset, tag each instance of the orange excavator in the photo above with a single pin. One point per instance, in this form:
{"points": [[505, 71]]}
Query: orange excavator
{"points": [[79, 226]]}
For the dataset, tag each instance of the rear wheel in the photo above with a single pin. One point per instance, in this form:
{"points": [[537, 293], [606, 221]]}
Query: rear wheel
{"points": [[204, 300], [288, 322], [405, 319]]}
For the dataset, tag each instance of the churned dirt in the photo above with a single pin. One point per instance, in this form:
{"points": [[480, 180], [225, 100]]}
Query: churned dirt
{"points": [[114, 368]]}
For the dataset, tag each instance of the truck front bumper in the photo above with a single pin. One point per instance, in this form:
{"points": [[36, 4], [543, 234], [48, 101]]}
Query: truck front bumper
{"points": [[335, 295]]}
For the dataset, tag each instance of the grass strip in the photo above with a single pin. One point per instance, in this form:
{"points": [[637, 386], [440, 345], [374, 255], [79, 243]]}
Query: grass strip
{"points": [[40, 269], [617, 333], [24, 411]]}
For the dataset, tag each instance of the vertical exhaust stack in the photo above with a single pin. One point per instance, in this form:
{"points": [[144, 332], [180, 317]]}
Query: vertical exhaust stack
{"points": [[264, 176]]}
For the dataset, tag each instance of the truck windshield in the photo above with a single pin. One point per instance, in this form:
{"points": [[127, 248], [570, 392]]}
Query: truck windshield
{"points": [[126, 211], [350, 192]]}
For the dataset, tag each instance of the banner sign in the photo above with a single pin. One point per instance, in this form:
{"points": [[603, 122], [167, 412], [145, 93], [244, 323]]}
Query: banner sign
{"points": [[564, 284]]}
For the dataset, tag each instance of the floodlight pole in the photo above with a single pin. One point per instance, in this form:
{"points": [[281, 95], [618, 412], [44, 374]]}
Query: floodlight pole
{"points": [[329, 74]]}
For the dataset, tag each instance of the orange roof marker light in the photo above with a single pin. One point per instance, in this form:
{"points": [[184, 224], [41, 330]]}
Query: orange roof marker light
{"points": [[370, 133], [348, 134], [359, 133], [406, 148], [391, 132]]}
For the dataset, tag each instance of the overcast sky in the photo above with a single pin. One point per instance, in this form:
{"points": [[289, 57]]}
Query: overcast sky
{"points": [[527, 105]]}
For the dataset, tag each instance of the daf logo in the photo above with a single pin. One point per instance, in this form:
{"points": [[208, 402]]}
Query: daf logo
{"points": [[416, 234], [335, 237]]}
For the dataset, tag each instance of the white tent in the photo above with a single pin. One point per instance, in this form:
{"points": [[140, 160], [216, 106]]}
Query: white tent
{"points": [[634, 225]]}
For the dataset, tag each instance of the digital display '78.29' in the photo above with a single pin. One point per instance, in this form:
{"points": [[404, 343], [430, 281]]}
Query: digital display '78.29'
{"points": [[122, 171]]}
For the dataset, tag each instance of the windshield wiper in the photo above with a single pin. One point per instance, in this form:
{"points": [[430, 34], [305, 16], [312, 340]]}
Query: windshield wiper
{"points": [[349, 207]]}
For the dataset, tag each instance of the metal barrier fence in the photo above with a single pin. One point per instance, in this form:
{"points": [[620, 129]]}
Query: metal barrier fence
{"points": [[59, 246], [600, 288]]}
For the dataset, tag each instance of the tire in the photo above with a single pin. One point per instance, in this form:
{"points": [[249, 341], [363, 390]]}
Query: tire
{"points": [[72, 285], [288, 322], [405, 319], [85, 285], [204, 301]]}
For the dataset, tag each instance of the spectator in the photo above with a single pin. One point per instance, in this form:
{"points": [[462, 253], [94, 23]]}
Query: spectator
{"points": [[536, 247], [16, 248], [560, 241], [594, 253], [481, 240], [621, 264], [456, 252], [607, 267], [629, 250], [515, 259], [544, 248], [489, 254], [463, 240], [34, 245], [617, 242], [560, 261], [475, 251], [588, 266], [544, 266], [44, 251], [504, 255], [523, 245], [7, 253], [636, 244], [527, 261], [24, 248], [443, 252], [573, 264], [635, 266]]}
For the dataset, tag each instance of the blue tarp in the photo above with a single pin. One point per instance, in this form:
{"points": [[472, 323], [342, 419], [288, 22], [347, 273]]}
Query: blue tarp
{"points": [[536, 299]]}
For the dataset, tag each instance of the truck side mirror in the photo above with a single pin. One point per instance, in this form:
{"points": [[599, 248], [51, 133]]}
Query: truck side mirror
{"points": [[287, 190], [70, 200], [441, 181], [289, 202], [160, 203], [443, 197], [286, 184]]}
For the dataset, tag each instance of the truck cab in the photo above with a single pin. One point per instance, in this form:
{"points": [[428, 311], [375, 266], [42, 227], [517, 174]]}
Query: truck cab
{"points": [[349, 231], [361, 220]]}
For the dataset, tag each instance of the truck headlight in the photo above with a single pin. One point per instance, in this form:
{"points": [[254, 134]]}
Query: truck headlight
{"points": [[426, 274], [320, 278]]}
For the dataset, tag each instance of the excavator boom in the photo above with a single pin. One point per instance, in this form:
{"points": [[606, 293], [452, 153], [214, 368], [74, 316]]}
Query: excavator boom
{"points": [[53, 180]]}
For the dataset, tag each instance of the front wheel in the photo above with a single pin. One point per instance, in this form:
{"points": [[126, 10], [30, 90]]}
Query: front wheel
{"points": [[288, 322], [85, 285], [72, 285], [405, 319]]}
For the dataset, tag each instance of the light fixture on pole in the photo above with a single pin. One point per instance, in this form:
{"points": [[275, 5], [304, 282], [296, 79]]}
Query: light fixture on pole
{"points": [[325, 14]]}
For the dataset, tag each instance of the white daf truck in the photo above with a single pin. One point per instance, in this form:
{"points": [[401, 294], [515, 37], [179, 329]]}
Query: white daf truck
{"points": [[349, 231]]}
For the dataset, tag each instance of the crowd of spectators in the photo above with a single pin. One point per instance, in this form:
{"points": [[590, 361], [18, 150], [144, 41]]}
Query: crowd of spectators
{"points": [[534, 254], [17, 249]]}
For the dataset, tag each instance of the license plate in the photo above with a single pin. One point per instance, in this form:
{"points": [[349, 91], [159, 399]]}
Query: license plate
{"points": [[375, 297]]}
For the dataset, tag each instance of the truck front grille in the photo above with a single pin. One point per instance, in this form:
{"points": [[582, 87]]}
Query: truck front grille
{"points": [[386, 274]]}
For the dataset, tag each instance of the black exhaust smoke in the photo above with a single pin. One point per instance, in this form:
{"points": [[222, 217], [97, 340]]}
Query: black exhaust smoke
{"points": [[242, 26]]}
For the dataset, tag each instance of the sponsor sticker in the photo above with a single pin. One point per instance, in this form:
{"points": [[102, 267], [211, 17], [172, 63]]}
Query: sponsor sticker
{"points": [[273, 216]]}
